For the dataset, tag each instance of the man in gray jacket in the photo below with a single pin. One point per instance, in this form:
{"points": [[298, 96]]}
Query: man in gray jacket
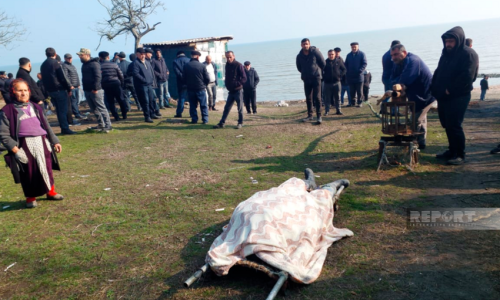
{"points": [[72, 75], [310, 64]]}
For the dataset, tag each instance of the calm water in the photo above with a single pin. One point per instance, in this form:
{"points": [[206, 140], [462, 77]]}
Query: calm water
{"points": [[280, 80]]}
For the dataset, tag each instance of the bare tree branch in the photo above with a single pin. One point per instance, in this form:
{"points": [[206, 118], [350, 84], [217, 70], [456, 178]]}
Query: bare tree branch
{"points": [[128, 17], [10, 30]]}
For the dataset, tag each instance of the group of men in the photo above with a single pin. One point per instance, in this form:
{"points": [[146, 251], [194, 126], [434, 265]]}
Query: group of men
{"points": [[450, 85], [332, 76]]}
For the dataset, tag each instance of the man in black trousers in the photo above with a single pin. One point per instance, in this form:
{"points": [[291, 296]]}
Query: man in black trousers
{"points": [[451, 86], [310, 64], [249, 88], [332, 75], [355, 64], [112, 83]]}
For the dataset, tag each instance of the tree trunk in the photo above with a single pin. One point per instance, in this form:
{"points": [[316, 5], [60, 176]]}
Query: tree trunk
{"points": [[137, 43]]}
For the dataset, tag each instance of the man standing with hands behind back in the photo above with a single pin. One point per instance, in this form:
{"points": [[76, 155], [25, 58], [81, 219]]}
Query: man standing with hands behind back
{"points": [[451, 86], [355, 63]]}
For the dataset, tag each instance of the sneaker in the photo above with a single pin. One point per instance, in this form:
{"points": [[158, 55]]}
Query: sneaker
{"points": [[49, 113], [445, 155], [456, 161], [98, 128], [148, 120], [308, 119], [239, 126], [56, 197], [205, 122], [359, 105], [107, 130], [319, 120], [219, 126], [76, 123], [326, 113], [32, 204]]}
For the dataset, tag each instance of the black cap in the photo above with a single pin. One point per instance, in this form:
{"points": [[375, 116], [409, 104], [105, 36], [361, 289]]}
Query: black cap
{"points": [[122, 55], [140, 50], [103, 54], [149, 50], [194, 52], [115, 54], [156, 49], [67, 55], [354, 43], [132, 57], [337, 49], [2, 72], [180, 52], [247, 63]]}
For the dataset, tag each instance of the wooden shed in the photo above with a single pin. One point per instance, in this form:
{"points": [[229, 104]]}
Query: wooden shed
{"points": [[213, 46]]}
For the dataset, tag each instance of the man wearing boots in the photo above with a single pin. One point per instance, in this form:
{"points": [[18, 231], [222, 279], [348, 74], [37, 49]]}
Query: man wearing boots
{"points": [[451, 86], [310, 64], [332, 75]]}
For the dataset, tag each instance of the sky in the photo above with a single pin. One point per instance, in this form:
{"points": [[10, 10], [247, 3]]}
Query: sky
{"points": [[68, 25]]}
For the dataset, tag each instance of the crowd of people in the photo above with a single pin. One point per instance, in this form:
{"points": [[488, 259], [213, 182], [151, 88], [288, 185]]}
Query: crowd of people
{"points": [[31, 144]]}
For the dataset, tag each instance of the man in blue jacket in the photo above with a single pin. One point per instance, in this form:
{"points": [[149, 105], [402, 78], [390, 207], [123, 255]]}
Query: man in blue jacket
{"points": [[355, 64], [179, 63], [161, 72], [143, 83], [197, 78], [411, 72], [310, 63], [387, 65]]}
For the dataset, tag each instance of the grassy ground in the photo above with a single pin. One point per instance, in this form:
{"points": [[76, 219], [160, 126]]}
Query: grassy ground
{"points": [[142, 238]]}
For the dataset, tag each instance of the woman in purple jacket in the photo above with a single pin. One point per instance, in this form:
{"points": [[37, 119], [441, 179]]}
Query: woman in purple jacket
{"points": [[30, 142]]}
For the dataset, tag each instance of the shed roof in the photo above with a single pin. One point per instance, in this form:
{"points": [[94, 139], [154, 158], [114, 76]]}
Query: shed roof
{"points": [[188, 41]]}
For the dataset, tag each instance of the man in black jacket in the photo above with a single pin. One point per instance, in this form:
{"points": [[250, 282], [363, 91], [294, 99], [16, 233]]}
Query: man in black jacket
{"points": [[143, 83], [58, 87], [149, 58], [355, 63], [235, 79], [451, 86], [91, 82], [128, 83], [74, 80], [129, 78], [24, 73], [161, 72], [484, 87], [112, 82], [367, 79], [332, 75], [249, 88], [310, 63], [178, 64], [197, 78], [4, 89]]}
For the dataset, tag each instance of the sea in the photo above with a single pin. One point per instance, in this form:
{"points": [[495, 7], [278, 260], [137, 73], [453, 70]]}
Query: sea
{"points": [[274, 61]]}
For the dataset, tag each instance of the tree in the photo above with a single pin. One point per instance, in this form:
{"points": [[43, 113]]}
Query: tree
{"points": [[10, 29], [128, 17]]}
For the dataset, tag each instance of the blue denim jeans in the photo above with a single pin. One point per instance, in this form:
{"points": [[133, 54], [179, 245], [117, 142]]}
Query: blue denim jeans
{"points": [[146, 97], [182, 91], [345, 89], [483, 94], [60, 100], [75, 102], [162, 94], [196, 97]]}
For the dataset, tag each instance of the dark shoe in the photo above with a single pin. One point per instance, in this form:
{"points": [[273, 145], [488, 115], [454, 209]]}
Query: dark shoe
{"points": [[56, 197], [326, 113], [308, 119], [219, 126], [254, 112], [310, 180], [31, 204], [107, 130], [359, 105], [456, 161], [209, 108], [349, 105], [445, 155], [161, 107], [339, 113], [155, 117], [496, 150], [239, 126], [148, 120], [205, 122], [194, 122], [158, 114], [214, 109], [319, 120], [98, 128], [124, 116], [68, 132], [249, 112], [421, 146], [178, 116], [168, 106]]}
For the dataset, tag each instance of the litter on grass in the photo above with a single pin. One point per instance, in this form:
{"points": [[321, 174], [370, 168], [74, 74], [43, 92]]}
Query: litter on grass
{"points": [[219, 209], [6, 206], [107, 189], [238, 136], [255, 181], [10, 266]]}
